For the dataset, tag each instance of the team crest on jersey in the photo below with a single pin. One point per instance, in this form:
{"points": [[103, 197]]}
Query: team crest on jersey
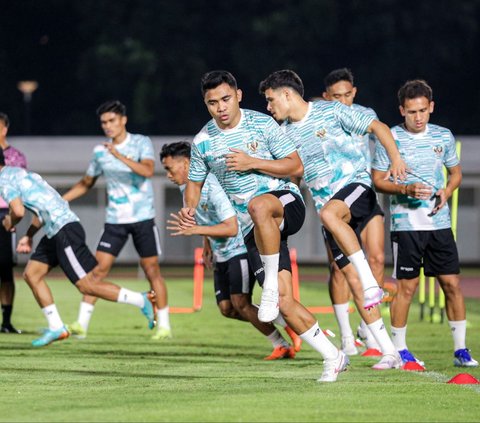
{"points": [[252, 146], [321, 133], [438, 149], [204, 207]]}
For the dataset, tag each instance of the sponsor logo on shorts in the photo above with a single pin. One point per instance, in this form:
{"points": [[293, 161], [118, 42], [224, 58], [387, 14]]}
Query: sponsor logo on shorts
{"points": [[406, 269], [258, 271], [338, 257], [105, 244], [218, 292]]}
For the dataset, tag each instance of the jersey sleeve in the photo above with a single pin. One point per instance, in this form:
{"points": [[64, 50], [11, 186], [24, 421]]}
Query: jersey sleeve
{"points": [[280, 144], [9, 193], [219, 200], [381, 161], [146, 149], [198, 169], [351, 120], [94, 170], [451, 159]]}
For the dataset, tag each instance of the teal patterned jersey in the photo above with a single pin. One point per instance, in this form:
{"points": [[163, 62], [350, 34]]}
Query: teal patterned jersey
{"points": [[214, 208], [425, 155], [364, 141], [327, 140], [37, 196], [259, 136], [130, 196]]}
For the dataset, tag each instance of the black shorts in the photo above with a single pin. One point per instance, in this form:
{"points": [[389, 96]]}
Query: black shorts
{"points": [[363, 205], [144, 234], [67, 249], [8, 241], [293, 218], [233, 276], [435, 250]]}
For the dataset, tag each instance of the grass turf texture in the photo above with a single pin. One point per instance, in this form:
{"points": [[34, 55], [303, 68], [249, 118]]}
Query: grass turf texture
{"points": [[213, 369]]}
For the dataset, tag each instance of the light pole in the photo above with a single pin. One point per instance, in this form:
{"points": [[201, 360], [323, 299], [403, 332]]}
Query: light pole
{"points": [[27, 88]]}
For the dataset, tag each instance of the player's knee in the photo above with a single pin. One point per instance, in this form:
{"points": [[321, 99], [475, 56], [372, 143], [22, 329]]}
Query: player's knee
{"points": [[328, 217], [258, 208], [87, 284], [226, 309], [407, 291], [376, 260]]}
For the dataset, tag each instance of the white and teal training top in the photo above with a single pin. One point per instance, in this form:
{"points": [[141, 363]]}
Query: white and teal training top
{"points": [[425, 154], [214, 208], [327, 142], [130, 196], [37, 196], [363, 141], [259, 136]]}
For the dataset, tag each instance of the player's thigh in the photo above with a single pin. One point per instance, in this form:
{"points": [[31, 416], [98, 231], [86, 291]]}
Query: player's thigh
{"points": [[441, 254], [373, 236], [113, 238]]}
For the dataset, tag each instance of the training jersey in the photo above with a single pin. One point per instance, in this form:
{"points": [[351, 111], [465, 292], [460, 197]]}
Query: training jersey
{"points": [[13, 157], [326, 143], [363, 141], [257, 135], [130, 196], [214, 208], [37, 196], [425, 154]]}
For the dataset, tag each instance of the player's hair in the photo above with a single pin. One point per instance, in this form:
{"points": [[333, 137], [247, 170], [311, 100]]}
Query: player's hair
{"points": [[176, 149], [2, 157], [282, 78], [4, 118], [112, 106], [414, 89], [215, 78], [337, 75]]}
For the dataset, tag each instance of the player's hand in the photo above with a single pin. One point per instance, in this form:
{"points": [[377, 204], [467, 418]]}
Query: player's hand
{"points": [[207, 257], [111, 149], [24, 245], [440, 200], [177, 228], [187, 217], [238, 160], [7, 223], [398, 170], [419, 190]]}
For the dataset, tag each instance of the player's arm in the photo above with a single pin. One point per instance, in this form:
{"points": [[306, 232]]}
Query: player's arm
{"points": [[398, 167], [384, 185], [291, 165], [143, 168], [24, 245], [191, 199], [207, 255], [454, 181], [224, 229], [80, 188], [15, 215]]}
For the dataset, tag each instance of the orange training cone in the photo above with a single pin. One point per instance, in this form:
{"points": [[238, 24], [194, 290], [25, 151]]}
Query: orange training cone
{"points": [[464, 379], [413, 366]]}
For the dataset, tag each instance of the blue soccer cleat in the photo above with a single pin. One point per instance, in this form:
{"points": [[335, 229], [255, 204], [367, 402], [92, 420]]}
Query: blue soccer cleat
{"points": [[149, 308], [408, 357], [464, 359], [50, 336]]}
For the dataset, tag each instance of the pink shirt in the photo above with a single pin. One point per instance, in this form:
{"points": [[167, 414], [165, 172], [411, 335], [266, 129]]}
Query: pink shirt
{"points": [[13, 157]]}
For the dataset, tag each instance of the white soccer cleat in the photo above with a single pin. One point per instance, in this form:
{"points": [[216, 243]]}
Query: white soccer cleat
{"points": [[331, 368], [268, 309], [372, 296], [389, 361], [348, 345]]}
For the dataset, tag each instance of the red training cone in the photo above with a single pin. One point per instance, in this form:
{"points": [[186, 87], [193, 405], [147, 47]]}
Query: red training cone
{"points": [[372, 352], [464, 379], [413, 366]]}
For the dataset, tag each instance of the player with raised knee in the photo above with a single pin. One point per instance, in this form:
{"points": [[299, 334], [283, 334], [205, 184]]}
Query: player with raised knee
{"points": [[63, 245], [127, 163], [337, 176], [420, 224], [223, 249]]}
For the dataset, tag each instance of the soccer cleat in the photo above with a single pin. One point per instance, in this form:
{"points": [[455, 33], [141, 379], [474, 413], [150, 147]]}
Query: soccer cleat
{"points": [[348, 345], [162, 333], [281, 351], [464, 359], [51, 336], [77, 330], [9, 328], [149, 308], [388, 361], [268, 309], [372, 297], [296, 340], [331, 368], [408, 357]]}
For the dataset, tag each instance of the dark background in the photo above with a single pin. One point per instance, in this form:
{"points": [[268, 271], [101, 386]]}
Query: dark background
{"points": [[150, 54]]}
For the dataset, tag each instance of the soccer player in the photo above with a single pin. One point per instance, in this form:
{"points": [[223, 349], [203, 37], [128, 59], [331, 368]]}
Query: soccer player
{"points": [[339, 86], [127, 162], [63, 244], [420, 223], [252, 160], [223, 249], [13, 157], [337, 176]]}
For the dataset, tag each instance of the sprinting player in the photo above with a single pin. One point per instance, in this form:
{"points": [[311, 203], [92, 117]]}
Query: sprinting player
{"points": [[252, 160], [13, 157], [63, 244], [339, 86], [127, 162], [420, 223], [223, 249], [336, 174]]}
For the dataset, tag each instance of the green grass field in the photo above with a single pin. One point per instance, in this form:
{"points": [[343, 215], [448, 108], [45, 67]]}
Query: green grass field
{"points": [[213, 369]]}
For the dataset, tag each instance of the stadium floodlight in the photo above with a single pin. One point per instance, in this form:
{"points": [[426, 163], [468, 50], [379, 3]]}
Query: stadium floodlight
{"points": [[27, 88]]}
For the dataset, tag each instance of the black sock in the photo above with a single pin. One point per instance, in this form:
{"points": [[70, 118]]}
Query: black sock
{"points": [[7, 314]]}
